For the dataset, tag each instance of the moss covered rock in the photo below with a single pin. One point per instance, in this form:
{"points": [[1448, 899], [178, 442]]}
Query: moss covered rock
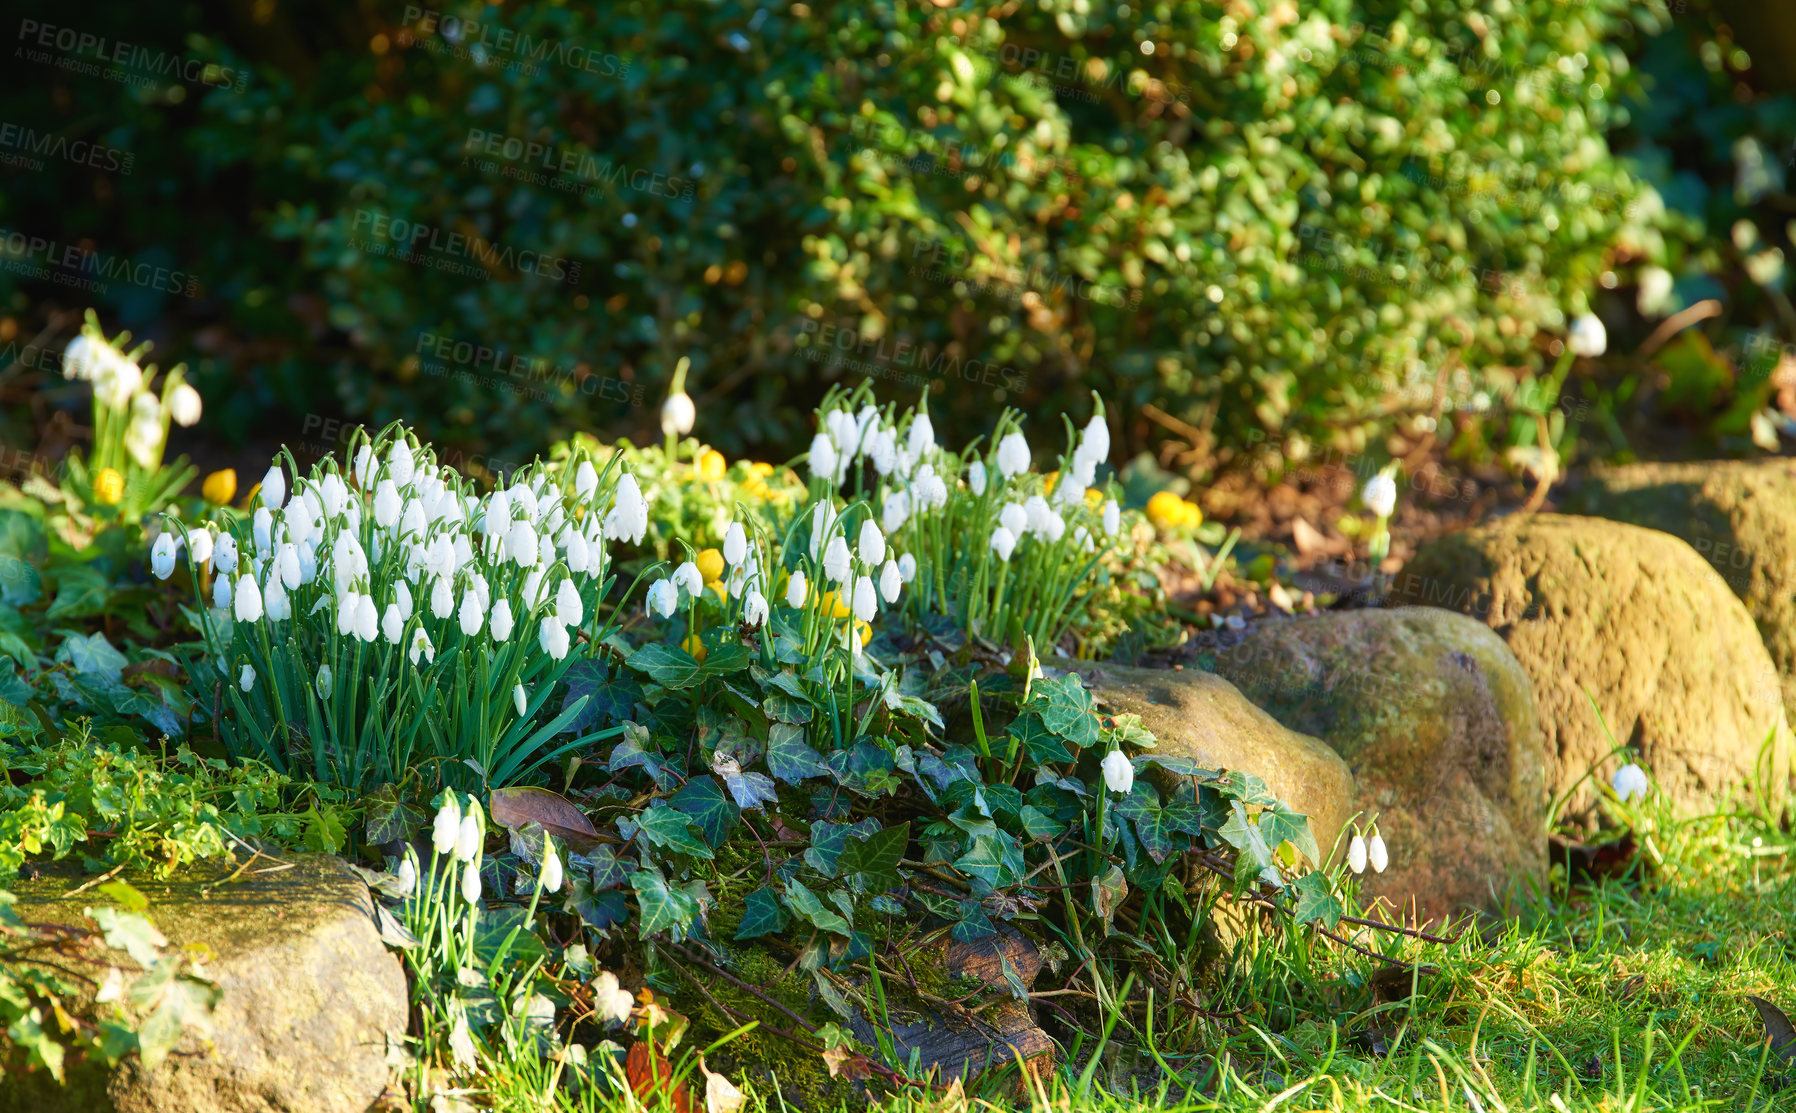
{"points": [[1204, 717], [1739, 515], [1435, 717], [1638, 620], [309, 993]]}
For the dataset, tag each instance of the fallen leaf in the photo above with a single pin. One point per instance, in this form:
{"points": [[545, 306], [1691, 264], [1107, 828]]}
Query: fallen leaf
{"points": [[1308, 539], [1777, 1029], [721, 1095], [523, 805], [833, 1058], [651, 1075]]}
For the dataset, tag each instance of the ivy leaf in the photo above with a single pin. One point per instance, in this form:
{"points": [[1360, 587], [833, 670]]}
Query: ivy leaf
{"points": [[1043, 745], [392, 932], [130, 933], [1039, 825], [1066, 709], [600, 910], [789, 758], [1316, 901], [703, 799], [92, 656], [324, 832], [761, 915], [875, 859], [1280, 823], [389, 818], [1250, 789], [995, 859], [1245, 836], [784, 709], [667, 665], [671, 828], [662, 907], [607, 871], [806, 905], [20, 583], [971, 922]]}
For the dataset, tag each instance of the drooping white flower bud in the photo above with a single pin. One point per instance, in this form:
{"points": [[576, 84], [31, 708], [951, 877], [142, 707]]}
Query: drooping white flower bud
{"points": [[837, 561], [754, 608], [468, 838], [891, 581], [1629, 782], [1587, 336], [553, 637], [519, 698], [678, 414], [663, 597], [1356, 854], [248, 596], [735, 544], [470, 883], [1013, 455], [872, 544], [1380, 495], [501, 623], [866, 600], [447, 826], [162, 556], [1003, 543], [274, 488], [1119, 773], [976, 477], [1377, 854], [795, 589]]}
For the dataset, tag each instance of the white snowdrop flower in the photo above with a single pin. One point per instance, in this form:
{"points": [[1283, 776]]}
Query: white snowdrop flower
{"points": [[891, 581], [412, 523], [872, 544], [629, 517], [895, 511], [221, 591], [468, 837], [261, 528], [569, 607], [1587, 336], [224, 553], [735, 544], [1380, 495], [470, 614], [884, 451], [308, 563], [1013, 455], [199, 544], [524, 503], [1356, 854], [286, 563], [333, 495], [162, 556], [1112, 517], [844, 430], [1377, 854], [931, 491], [795, 589], [533, 589], [1014, 518], [553, 637], [470, 883], [442, 598], [579, 554], [184, 405], [364, 465], [366, 619], [446, 826], [520, 699], [551, 875], [1630, 781], [823, 524], [497, 518], [824, 461], [421, 647], [545, 550], [922, 435], [1054, 528], [248, 599], [677, 415], [836, 560], [501, 622], [116, 378], [1119, 774], [1003, 543], [275, 603], [246, 678], [522, 545], [1037, 512], [1096, 442], [689, 577], [754, 608], [907, 567], [274, 488], [408, 877], [1082, 538], [402, 595], [348, 606], [586, 480], [866, 600], [323, 683], [976, 477], [663, 597], [401, 466], [81, 359], [1070, 491]]}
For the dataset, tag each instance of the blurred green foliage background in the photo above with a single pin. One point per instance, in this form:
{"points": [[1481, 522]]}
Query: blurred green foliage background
{"points": [[1263, 217]]}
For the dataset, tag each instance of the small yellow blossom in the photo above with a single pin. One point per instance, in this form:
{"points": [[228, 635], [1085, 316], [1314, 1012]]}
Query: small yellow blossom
{"points": [[834, 605], [694, 646], [109, 487], [1048, 481], [711, 465], [220, 487], [717, 588], [1168, 511], [710, 564]]}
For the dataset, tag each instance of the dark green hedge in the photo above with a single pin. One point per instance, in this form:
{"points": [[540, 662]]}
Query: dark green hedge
{"points": [[1258, 226]]}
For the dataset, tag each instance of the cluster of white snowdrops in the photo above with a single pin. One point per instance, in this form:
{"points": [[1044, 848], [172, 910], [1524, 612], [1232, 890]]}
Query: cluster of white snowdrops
{"points": [[384, 613], [1002, 549], [132, 411]]}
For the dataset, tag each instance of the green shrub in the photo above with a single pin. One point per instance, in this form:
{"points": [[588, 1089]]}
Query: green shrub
{"points": [[1259, 225]]}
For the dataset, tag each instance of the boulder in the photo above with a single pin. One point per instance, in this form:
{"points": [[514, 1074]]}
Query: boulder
{"points": [[1435, 717], [1640, 622], [310, 993], [1739, 515], [1203, 717]]}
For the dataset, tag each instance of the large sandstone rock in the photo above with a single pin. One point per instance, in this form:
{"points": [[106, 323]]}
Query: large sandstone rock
{"points": [[1739, 515], [1203, 717], [309, 994], [1638, 620], [1435, 717]]}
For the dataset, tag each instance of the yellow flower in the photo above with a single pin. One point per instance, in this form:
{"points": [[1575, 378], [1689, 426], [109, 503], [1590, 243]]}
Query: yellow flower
{"points": [[723, 593], [865, 631], [711, 465], [220, 486], [1168, 511], [1094, 498], [109, 487], [1047, 482], [834, 605], [710, 564], [695, 647], [760, 470]]}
